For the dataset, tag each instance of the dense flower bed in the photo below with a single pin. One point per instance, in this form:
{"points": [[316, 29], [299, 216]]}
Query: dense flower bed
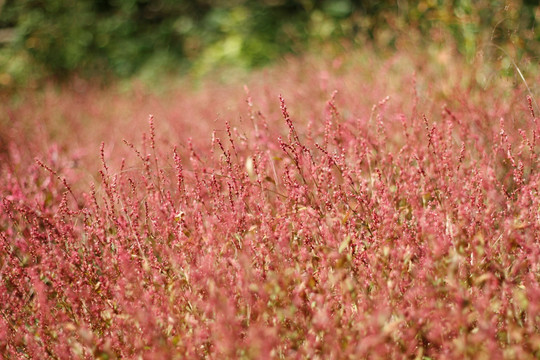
{"points": [[306, 229]]}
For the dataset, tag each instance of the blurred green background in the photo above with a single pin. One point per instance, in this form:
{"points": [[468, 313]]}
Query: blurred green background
{"points": [[108, 39]]}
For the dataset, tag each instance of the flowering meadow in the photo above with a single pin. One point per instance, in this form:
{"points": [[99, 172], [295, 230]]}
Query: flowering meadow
{"points": [[343, 209]]}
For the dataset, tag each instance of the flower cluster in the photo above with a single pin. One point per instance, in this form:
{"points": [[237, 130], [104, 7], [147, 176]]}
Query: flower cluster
{"points": [[406, 229]]}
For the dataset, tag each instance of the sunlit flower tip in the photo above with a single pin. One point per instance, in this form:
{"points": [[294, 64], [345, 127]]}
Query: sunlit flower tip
{"points": [[179, 216]]}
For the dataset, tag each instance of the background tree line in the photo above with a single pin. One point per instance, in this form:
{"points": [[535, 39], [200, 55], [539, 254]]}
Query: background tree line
{"points": [[104, 38]]}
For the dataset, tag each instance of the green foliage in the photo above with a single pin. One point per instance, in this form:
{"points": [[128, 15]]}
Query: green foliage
{"points": [[67, 36], [87, 37]]}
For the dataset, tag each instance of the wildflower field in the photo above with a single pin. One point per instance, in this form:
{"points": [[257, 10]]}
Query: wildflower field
{"points": [[345, 208]]}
